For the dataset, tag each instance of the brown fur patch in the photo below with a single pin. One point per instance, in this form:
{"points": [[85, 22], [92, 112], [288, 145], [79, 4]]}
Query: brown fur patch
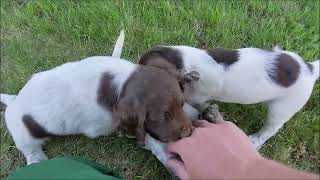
{"points": [[223, 56], [107, 95], [285, 72], [34, 128], [170, 55]]}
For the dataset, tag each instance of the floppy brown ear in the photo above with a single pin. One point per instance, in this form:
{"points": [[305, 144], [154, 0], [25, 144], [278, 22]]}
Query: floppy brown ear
{"points": [[130, 118]]}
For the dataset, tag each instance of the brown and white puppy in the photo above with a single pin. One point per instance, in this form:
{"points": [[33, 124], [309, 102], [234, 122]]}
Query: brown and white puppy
{"points": [[281, 79], [95, 97]]}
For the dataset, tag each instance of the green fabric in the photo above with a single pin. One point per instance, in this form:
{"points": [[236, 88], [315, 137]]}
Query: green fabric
{"points": [[64, 168]]}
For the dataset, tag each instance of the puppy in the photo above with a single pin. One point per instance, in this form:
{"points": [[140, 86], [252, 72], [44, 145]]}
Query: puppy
{"points": [[281, 79], [95, 97]]}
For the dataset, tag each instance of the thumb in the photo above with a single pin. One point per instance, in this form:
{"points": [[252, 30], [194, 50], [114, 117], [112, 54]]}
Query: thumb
{"points": [[176, 167]]}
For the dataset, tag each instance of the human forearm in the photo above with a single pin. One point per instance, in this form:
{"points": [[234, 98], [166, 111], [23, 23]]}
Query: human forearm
{"points": [[268, 169]]}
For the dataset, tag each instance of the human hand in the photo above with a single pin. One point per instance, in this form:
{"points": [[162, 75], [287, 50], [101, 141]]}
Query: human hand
{"points": [[213, 151]]}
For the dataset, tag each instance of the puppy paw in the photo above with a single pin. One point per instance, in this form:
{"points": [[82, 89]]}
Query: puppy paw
{"points": [[36, 157], [157, 148], [191, 76], [212, 114], [256, 141]]}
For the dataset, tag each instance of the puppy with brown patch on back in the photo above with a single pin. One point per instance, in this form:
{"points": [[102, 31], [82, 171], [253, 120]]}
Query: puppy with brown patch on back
{"points": [[96, 97]]}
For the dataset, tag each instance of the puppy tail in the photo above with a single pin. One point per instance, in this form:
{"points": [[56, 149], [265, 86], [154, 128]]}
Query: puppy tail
{"points": [[7, 98], [119, 45], [315, 70]]}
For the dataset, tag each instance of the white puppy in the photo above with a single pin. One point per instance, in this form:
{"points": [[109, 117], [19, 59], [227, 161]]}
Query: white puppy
{"points": [[281, 79], [95, 97]]}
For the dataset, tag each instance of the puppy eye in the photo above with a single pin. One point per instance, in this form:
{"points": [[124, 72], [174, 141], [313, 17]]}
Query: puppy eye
{"points": [[183, 129], [181, 87]]}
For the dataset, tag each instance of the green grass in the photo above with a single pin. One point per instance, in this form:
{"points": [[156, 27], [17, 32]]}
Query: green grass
{"points": [[39, 35]]}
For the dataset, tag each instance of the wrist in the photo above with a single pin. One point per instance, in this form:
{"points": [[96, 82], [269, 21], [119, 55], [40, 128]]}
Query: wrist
{"points": [[256, 168]]}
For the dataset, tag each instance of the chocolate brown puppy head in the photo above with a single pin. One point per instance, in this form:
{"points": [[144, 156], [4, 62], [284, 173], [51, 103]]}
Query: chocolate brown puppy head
{"points": [[152, 102], [167, 123]]}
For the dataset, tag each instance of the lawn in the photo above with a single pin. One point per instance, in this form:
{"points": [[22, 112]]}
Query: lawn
{"points": [[39, 35]]}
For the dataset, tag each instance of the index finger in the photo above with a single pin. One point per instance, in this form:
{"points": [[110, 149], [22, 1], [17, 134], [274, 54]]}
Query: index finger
{"points": [[177, 167], [179, 146]]}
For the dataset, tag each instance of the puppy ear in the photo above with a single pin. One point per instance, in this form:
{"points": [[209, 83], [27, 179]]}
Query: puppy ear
{"points": [[160, 62], [129, 118], [170, 58], [167, 58]]}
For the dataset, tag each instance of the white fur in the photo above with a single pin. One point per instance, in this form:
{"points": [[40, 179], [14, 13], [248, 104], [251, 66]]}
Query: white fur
{"points": [[246, 82], [7, 98], [157, 148]]}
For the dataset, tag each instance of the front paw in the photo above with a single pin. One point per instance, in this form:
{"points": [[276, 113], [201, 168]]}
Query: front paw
{"points": [[157, 148], [190, 77], [212, 114]]}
